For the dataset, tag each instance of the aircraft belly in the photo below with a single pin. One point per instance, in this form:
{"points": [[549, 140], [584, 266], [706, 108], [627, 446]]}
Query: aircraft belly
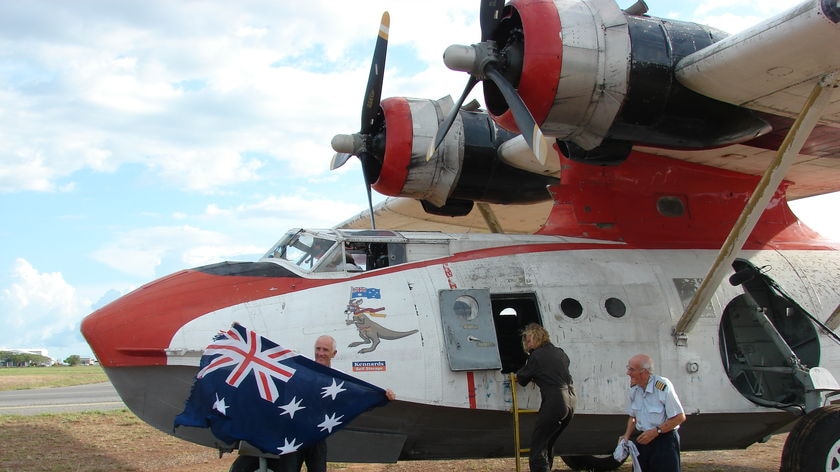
{"points": [[435, 432]]}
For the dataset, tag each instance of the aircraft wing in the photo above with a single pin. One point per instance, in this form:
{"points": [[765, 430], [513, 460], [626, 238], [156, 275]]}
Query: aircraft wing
{"points": [[773, 66], [407, 214]]}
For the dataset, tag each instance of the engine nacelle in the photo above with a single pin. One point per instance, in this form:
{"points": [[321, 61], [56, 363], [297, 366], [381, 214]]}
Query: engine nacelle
{"points": [[466, 168], [593, 75]]}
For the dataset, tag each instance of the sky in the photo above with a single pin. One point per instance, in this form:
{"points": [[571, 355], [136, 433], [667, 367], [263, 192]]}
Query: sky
{"points": [[138, 138]]}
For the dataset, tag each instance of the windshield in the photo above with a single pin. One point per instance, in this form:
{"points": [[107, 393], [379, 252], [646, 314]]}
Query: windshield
{"points": [[302, 249]]}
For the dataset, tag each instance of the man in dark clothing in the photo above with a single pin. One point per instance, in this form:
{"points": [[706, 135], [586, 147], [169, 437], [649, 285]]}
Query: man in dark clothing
{"points": [[548, 367]]}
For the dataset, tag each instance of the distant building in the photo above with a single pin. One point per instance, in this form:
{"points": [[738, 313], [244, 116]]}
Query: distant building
{"points": [[37, 351], [33, 352]]}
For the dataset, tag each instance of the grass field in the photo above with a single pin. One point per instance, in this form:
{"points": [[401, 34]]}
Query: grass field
{"points": [[21, 378], [118, 440]]}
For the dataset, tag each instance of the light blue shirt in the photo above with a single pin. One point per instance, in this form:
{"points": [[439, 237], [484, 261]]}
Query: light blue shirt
{"points": [[654, 404]]}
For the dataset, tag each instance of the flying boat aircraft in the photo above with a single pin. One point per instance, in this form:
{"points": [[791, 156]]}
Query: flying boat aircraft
{"points": [[627, 188]]}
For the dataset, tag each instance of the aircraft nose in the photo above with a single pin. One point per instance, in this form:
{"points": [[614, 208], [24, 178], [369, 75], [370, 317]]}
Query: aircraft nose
{"points": [[138, 328]]}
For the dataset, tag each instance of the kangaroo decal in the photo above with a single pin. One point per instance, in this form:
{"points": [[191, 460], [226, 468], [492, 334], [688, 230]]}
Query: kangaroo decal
{"points": [[370, 331]]}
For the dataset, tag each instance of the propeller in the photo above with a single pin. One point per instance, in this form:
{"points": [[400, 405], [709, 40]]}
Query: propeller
{"points": [[637, 9], [486, 61], [368, 143]]}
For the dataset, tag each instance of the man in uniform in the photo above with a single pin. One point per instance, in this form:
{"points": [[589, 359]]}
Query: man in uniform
{"points": [[655, 415]]}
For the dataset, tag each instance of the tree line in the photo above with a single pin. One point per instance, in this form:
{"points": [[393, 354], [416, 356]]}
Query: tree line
{"points": [[22, 359]]}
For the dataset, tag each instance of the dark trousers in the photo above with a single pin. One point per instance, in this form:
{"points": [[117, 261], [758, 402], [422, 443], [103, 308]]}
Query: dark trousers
{"points": [[314, 456], [662, 454], [556, 411]]}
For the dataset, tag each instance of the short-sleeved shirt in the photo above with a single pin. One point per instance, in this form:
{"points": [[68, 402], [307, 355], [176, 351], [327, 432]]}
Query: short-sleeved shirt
{"points": [[654, 404]]}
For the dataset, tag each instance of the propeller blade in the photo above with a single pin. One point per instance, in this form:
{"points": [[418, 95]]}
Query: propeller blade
{"points": [[450, 118], [339, 159], [491, 11], [637, 9], [524, 120], [373, 93], [370, 207], [364, 157]]}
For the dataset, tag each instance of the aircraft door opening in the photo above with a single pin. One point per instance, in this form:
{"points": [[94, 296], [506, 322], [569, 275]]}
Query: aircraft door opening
{"points": [[766, 340], [511, 313]]}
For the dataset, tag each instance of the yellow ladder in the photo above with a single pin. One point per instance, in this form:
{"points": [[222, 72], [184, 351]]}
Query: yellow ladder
{"points": [[517, 445]]}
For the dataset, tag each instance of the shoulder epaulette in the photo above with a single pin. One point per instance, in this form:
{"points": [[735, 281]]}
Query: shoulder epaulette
{"points": [[660, 385]]}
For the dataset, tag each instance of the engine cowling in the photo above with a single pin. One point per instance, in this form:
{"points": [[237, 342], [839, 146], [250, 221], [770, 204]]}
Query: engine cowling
{"points": [[599, 79], [467, 168]]}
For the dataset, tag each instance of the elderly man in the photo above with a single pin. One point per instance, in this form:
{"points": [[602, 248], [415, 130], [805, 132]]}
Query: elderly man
{"points": [[655, 415], [315, 456]]}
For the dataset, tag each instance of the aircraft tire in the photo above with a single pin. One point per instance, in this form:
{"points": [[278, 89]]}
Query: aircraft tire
{"points": [[594, 463], [251, 464], [814, 442]]}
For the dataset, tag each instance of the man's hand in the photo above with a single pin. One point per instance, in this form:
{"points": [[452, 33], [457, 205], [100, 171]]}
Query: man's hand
{"points": [[647, 436]]}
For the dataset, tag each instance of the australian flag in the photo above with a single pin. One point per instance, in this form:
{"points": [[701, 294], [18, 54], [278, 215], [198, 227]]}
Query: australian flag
{"points": [[251, 389], [365, 292]]}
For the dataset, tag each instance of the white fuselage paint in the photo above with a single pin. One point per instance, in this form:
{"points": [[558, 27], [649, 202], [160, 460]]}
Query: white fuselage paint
{"points": [[416, 366]]}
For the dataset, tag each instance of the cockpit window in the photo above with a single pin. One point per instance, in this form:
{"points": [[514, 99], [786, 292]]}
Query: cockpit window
{"points": [[326, 251], [303, 249]]}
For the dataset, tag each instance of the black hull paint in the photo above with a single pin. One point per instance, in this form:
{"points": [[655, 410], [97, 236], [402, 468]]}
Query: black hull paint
{"points": [[413, 431]]}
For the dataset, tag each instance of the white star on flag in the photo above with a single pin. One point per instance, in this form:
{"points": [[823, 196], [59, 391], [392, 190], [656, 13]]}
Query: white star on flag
{"points": [[288, 447], [330, 423], [291, 407], [332, 391], [220, 405]]}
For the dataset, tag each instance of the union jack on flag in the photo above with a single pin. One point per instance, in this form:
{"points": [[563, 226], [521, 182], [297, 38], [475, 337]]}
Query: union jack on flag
{"points": [[245, 354], [251, 389]]}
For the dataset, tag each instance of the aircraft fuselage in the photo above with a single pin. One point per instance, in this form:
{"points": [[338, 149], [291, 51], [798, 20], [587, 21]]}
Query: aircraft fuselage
{"points": [[435, 329]]}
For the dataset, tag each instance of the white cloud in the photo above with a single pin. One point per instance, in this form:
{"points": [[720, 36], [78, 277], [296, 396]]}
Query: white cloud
{"points": [[41, 309], [109, 84], [245, 229], [140, 252]]}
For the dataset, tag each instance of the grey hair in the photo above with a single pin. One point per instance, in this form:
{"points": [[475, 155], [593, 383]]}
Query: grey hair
{"points": [[647, 363]]}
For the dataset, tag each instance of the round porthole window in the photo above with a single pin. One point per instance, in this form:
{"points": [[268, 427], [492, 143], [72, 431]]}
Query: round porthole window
{"points": [[466, 307], [615, 307], [571, 308]]}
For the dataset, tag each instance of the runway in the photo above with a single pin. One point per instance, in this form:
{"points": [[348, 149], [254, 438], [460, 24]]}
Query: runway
{"points": [[91, 397]]}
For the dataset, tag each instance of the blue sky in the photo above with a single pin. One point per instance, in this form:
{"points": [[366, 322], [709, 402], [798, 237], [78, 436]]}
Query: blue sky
{"points": [[138, 138]]}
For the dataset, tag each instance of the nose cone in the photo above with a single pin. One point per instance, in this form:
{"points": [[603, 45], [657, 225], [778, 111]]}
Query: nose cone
{"points": [[460, 58], [138, 328]]}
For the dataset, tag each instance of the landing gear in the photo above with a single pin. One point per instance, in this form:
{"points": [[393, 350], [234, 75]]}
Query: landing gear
{"points": [[814, 443], [594, 463]]}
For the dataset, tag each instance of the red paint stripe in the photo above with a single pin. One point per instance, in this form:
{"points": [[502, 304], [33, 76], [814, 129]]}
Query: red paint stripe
{"points": [[471, 388]]}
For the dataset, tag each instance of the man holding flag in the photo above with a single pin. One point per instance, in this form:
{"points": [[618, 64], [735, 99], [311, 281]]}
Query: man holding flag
{"points": [[315, 456], [251, 389]]}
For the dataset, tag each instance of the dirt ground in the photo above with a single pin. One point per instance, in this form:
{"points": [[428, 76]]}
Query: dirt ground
{"points": [[109, 441]]}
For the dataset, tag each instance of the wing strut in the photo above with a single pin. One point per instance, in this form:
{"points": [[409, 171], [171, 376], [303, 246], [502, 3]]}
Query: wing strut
{"points": [[489, 217], [773, 176], [833, 321]]}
